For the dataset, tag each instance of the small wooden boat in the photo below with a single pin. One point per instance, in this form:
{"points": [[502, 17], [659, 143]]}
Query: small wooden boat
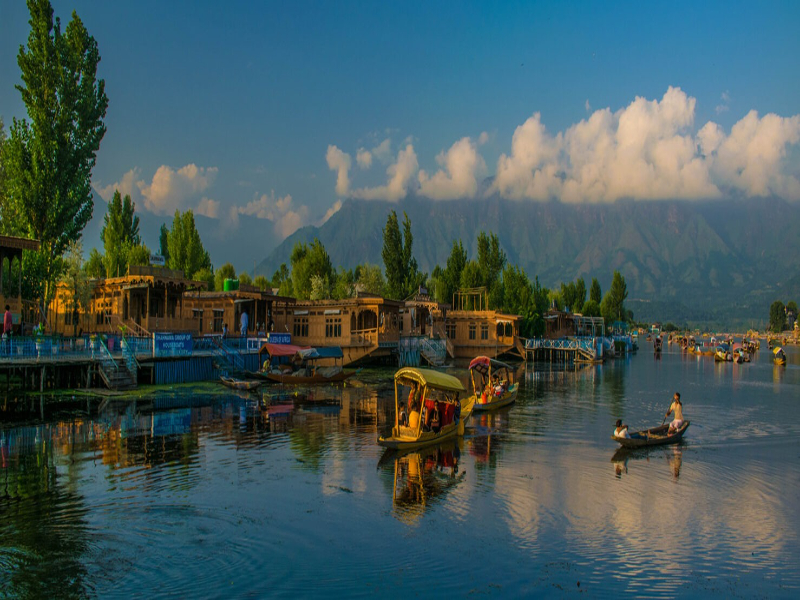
{"points": [[493, 383], [426, 388], [779, 357], [239, 384], [305, 369], [651, 437], [657, 345]]}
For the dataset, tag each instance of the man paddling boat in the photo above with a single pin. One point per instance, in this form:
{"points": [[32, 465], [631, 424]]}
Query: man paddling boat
{"points": [[677, 408]]}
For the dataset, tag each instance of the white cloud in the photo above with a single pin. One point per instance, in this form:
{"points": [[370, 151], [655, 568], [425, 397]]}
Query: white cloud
{"points": [[340, 162], [208, 208], [401, 173], [587, 106], [172, 190], [383, 151], [281, 210], [331, 211], [724, 106], [458, 177], [751, 158], [127, 186], [364, 158]]}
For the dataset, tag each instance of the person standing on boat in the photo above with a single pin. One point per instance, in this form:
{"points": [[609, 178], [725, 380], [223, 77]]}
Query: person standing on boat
{"points": [[677, 408]]}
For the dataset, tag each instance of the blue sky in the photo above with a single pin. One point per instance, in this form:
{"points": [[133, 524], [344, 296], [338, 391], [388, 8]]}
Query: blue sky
{"points": [[281, 110]]}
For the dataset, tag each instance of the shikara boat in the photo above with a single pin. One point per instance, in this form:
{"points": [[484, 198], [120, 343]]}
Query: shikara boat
{"points": [[427, 387], [651, 437], [722, 353], [303, 368], [657, 342], [239, 384], [493, 383], [779, 357]]}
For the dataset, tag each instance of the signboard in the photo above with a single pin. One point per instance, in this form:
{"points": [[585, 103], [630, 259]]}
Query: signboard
{"points": [[280, 338], [157, 260], [172, 344]]}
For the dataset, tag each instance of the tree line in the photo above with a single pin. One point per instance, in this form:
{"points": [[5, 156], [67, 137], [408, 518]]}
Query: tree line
{"points": [[779, 316], [45, 193]]}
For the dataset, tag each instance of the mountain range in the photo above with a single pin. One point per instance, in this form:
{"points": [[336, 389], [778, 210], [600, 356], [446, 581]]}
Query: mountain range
{"points": [[718, 263]]}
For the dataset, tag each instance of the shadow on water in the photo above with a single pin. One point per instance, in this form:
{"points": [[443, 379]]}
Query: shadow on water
{"points": [[673, 454]]}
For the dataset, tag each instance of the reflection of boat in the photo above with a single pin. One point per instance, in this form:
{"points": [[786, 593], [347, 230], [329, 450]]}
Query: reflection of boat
{"points": [[492, 382], [239, 384], [652, 437], [422, 476], [779, 357], [303, 369], [427, 387], [674, 456]]}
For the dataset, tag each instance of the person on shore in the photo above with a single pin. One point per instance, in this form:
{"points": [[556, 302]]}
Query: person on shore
{"points": [[243, 323], [224, 330], [677, 408], [621, 430], [7, 322]]}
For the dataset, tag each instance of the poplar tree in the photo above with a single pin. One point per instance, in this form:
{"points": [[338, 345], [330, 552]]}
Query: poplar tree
{"points": [[595, 293], [49, 159], [186, 251], [120, 235], [402, 271]]}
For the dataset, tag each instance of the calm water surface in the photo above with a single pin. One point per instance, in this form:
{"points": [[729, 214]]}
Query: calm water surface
{"points": [[218, 496]]}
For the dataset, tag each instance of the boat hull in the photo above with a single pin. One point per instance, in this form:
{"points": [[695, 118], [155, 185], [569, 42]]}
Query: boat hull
{"points": [[425, 438], [498, 401], [652, 437], [238, 384]]}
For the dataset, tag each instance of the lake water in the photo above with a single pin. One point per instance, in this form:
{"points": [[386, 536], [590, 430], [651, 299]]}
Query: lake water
{"points": [[211, 495]]}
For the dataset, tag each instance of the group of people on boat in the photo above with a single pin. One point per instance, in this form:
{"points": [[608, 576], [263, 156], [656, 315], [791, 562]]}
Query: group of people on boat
{"points": [[411, 416], [675, 409], [494, 387]]}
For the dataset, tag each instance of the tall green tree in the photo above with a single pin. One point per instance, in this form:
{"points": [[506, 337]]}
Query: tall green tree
{"points": [[579, 297], [492, 260], [369, 278], [308, 262], [280, 275], [451, 275], [94, 267], [594, 292], [401, 268], [3, 224], [613, 305], [261, 282], [244, 278], [186, 251], [49, 158], [120, 235], [163, 242], [777, 317]]}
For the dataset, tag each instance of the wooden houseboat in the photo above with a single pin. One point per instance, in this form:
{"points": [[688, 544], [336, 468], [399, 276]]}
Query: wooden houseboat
{"points": [[22, 312]]}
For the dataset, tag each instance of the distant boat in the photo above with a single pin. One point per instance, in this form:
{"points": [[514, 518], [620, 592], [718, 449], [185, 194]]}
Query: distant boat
{"points": [[779, 357], [303, 369], [492, 383], [239, 384], [655, 436]]}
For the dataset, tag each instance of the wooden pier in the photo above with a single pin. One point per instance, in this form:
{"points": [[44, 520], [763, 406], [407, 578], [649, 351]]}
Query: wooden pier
{"points": [[564, 350]]}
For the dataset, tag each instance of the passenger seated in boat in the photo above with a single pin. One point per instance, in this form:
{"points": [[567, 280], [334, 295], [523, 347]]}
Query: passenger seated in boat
{"points": [[413, 417], [402, 418], [677, 408], [621, 430], [436, 420], [425, 417]]}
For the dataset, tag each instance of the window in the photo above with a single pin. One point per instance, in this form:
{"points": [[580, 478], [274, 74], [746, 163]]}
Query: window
{"points": [[218, 318], [197, 315], [472, 329], [484, 331], [450, 330], [300, 328], [333, 327], [509, 330]]}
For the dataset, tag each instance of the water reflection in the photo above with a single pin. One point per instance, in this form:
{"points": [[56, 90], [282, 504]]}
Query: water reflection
{"points": [[672, 453], [422, 478]]}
